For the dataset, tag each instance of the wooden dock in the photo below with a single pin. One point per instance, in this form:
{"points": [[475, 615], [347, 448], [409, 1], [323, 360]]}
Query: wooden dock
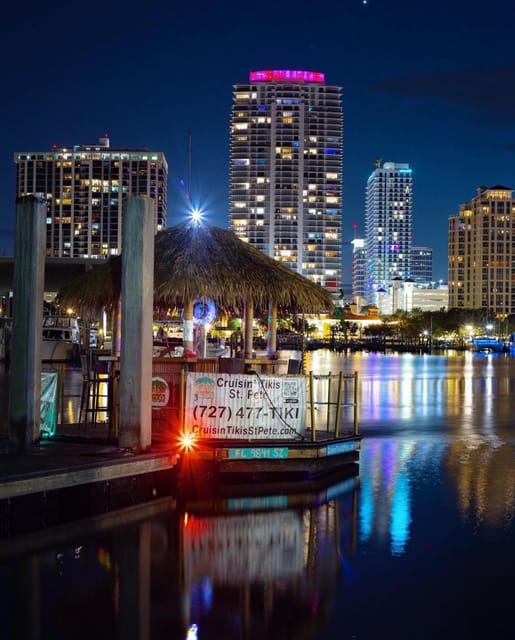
{"points": [[61, 480], [304, 459]]}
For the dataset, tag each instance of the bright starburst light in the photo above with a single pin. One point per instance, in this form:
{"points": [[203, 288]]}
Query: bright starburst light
{"points": [[196, 215]]}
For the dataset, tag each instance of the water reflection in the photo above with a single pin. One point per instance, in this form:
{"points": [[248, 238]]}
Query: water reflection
{"points": [[385, 497], [424, 391], [429, 528], [156, 571], [478, 471], [484, 476], [266, 574]]}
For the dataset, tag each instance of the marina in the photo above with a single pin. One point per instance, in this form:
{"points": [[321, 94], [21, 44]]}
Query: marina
{"points": [[431, 497], [84, 458]]}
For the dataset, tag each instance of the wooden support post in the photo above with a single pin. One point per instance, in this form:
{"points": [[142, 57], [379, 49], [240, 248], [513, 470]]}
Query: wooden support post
{"points": [[137, 314], [187, 325], [28, 287], [249, 324], [271, 346], [313, 425], [328, 421], [338, 406], [182, 399], [356, 396]]}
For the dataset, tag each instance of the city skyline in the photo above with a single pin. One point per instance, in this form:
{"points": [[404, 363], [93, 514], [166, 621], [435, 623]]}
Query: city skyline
{"points": [[415, 90]]}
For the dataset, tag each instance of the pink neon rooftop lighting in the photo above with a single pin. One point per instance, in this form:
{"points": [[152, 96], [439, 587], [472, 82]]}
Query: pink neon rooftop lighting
{"points": [[286, 75]]}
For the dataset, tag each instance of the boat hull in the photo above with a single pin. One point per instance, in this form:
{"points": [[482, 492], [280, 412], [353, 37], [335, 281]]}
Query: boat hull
{"points": [[59, 351]]}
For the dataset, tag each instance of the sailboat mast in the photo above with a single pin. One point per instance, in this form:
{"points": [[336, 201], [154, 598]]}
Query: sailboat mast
{"points": [[189, 168]]}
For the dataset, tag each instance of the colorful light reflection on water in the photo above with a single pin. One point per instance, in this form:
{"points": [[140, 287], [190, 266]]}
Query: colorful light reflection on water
{"points": [[420, 547]]}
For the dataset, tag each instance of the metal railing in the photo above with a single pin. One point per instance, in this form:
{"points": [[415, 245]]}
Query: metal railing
{"points": [[325, 402]]}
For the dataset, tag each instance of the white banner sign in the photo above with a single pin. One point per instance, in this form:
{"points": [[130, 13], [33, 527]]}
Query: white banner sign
{"points": [[266, 546], [245, 406]]}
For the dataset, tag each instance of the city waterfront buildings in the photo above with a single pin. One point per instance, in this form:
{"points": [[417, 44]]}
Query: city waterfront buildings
{"points": [[388, 226], [482, 253], [286, 145], [406, 296], [422, 265], [85, 186], [431, 299]]}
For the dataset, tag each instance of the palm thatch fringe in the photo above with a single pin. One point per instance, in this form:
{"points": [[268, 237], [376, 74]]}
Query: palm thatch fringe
{"points": [[200, 260]]}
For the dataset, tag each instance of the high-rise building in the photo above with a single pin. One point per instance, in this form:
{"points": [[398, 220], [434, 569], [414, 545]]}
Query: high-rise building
{"points": [[85, 186], [388, 223], [482, 253], [286, 171], [422, 265], [359, 271]]}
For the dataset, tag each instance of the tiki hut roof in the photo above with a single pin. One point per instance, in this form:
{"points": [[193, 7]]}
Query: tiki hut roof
{"points": [[200, 260], [94, 289]]}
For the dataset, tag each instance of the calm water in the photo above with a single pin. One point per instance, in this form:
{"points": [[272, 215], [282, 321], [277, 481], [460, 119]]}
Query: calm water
{"points": [[419, 545]]}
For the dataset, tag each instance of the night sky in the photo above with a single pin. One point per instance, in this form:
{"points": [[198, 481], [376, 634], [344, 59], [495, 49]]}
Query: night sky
{"points": [[428, 83]]}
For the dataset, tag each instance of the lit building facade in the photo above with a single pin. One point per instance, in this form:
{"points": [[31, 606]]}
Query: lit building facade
{"points": [[422, 265], [388, 226], [482, 253], [286, 171], [85, 186], [359, 271], [405, 295]]}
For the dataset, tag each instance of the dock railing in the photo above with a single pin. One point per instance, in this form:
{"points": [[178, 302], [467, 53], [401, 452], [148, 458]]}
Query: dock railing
{"points": [[331, 400], [329, 395]]}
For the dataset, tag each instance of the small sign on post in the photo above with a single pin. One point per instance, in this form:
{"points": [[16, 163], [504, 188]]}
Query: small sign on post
{"points": [[48, 404]]}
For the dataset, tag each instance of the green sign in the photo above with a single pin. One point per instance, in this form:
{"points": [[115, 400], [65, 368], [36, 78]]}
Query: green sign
{"points": [[48, 405], [258, 453]]}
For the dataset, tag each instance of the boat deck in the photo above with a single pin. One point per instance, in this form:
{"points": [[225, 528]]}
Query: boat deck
{"points": [[305, 458]]}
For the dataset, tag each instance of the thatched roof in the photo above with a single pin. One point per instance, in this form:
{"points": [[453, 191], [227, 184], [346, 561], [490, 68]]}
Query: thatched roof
{"points": [[94, 289], [200, 260]]}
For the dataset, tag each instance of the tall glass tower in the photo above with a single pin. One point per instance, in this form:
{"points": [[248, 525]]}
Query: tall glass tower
{"points": [[359, 271], [388, 224], [286, 171]]}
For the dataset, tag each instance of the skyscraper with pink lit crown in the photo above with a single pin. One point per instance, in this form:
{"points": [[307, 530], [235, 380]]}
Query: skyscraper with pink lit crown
{"points": [[286, 170]]}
